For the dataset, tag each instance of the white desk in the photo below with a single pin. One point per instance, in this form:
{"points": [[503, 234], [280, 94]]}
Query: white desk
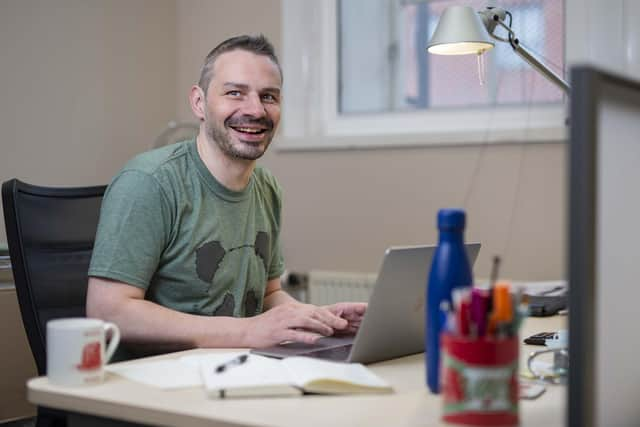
{"points": [[410, 405]]}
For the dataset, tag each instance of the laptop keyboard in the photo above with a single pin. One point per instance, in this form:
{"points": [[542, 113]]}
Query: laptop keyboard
{"points": [[340, 353]]}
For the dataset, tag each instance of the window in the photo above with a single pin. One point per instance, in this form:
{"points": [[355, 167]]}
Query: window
{"points": [[362, 76]]}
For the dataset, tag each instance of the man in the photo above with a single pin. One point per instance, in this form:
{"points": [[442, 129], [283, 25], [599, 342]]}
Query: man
{"points": [[187, 251]]}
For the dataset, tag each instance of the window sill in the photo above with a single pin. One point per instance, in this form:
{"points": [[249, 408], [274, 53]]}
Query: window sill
{"points": [[372, 142], [444, 128]]}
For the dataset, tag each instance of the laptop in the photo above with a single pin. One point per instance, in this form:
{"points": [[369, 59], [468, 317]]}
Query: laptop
{"points": [[393, 325]]}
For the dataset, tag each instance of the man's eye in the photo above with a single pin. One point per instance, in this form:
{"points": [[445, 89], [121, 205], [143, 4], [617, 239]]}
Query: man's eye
{"points": [[269, 98], [234, 93]]}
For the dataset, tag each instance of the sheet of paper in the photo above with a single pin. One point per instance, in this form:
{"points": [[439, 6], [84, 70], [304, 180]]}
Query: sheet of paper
{"points": [[165, 374], [170, 374], [257, 371]]}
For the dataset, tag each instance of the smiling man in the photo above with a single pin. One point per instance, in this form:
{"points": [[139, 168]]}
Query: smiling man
{"points": [[187, 252]]}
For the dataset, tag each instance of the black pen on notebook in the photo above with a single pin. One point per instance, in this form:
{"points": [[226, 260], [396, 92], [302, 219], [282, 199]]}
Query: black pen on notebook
{"points": [[233, 362]]}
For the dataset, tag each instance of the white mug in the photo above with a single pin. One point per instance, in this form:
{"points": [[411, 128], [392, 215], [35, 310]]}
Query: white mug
{"points": [[76, 352]]}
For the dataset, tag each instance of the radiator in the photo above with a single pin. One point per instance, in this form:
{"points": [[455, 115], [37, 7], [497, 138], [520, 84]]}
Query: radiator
{"points": [[328, 287]]}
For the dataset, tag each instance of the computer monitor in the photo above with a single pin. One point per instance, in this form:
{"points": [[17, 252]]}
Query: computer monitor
{"points": [[604, 249]]}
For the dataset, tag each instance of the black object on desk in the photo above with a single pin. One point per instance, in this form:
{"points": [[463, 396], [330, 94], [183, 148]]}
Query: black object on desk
{"points": [[546, 305], [539, 338]]}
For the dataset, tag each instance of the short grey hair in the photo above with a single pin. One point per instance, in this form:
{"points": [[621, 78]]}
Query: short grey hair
{"points": [[259, 45]]}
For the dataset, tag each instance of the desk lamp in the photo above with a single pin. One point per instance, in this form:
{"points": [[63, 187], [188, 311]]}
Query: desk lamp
{"points": [[462, 31]]}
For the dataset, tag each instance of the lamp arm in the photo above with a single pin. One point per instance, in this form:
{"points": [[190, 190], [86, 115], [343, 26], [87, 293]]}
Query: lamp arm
{"points": [[500, 22], [543, 69], [530, 59]]}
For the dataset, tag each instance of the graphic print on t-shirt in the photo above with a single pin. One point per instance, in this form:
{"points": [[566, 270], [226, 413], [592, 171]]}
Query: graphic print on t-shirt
{"points": [[209, 258], [227, 306]]}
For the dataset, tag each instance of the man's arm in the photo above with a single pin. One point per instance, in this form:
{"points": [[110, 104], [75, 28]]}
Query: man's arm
{"points": [[274, 295], [147, 323]]}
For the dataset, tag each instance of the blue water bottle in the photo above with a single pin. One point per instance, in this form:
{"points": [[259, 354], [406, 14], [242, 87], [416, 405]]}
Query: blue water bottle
{"points": [[449, 269]]}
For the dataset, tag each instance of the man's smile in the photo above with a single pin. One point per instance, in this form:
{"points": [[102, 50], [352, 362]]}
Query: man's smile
{"points": [[250, 129]]}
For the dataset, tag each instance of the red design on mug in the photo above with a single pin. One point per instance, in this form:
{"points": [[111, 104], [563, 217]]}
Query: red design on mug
{"points": [[91, 357], [453, 387]]}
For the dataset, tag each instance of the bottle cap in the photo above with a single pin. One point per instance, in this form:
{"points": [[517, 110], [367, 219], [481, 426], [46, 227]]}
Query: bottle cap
{"points": [[451, 219]]}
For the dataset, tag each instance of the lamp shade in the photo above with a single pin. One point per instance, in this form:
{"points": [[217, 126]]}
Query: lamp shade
{"points": [[460, 31]]}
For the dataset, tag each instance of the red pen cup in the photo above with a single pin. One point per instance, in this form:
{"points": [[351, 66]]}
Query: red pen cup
{"points": [[480, 380]]}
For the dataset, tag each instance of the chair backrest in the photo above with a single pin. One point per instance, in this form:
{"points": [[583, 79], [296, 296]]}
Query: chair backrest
{"points": [[50, 233]]}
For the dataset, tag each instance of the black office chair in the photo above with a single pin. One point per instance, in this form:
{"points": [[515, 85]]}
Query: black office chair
{"points": [[50, 233]]}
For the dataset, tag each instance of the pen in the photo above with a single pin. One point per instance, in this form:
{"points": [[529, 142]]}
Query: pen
{"points": [[492, 280], [233, 362], [449, 320], [520, 311]]}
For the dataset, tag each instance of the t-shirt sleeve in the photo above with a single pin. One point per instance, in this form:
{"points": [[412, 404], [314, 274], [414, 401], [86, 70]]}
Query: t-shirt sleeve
{"points": [[133, 230]]}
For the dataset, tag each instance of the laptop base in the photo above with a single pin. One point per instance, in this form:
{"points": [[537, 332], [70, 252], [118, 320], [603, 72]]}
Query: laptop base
{"points": [[328, 348]]}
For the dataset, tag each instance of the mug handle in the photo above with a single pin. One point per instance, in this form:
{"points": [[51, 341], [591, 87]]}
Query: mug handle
{"points": [[113, 342]]}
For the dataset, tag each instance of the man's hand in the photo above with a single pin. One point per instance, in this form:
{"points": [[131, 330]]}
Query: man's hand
{"points": [[352, 312], [293, 321]]}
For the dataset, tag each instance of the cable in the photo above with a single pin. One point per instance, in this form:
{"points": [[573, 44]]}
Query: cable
{"points": [[483, 147]]}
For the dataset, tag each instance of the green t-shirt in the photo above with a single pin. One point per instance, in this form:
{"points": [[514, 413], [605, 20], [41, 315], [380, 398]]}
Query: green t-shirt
{"points": [[169, 227]]}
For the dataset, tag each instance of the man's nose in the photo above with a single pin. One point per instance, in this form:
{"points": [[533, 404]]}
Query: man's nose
{"points": [[253, 106]]}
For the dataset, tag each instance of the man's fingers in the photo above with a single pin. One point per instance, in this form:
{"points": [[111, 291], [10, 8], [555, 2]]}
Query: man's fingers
{"points": [[328, 318], [353, 317], [306, 323], [311, 324], [355, 308], [348, 309], [301, 336]]}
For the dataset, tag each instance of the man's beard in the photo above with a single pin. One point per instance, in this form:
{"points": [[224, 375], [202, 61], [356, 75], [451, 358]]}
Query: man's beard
{"points": [[247, 150]]}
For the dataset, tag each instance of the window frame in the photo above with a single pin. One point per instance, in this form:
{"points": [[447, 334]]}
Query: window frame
{"points": [[311, 120]]}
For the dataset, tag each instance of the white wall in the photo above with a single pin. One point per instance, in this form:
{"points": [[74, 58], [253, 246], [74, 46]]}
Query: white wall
{"points": [[85, 84], [605, 34]]}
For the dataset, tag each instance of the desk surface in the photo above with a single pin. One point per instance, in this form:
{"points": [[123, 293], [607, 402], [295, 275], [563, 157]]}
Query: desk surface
{"points": [[410, 405]]}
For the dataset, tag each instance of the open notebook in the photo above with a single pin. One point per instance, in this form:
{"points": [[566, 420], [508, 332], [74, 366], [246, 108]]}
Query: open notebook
{"points": [[257, 375]]}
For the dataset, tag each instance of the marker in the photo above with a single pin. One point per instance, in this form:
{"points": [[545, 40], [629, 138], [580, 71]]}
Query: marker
{"points": [[479, 311], [502, 314], [464, 317]]}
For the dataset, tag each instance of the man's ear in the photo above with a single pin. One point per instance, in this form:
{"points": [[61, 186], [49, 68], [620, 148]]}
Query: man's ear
{"points": [[198, 102]]}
